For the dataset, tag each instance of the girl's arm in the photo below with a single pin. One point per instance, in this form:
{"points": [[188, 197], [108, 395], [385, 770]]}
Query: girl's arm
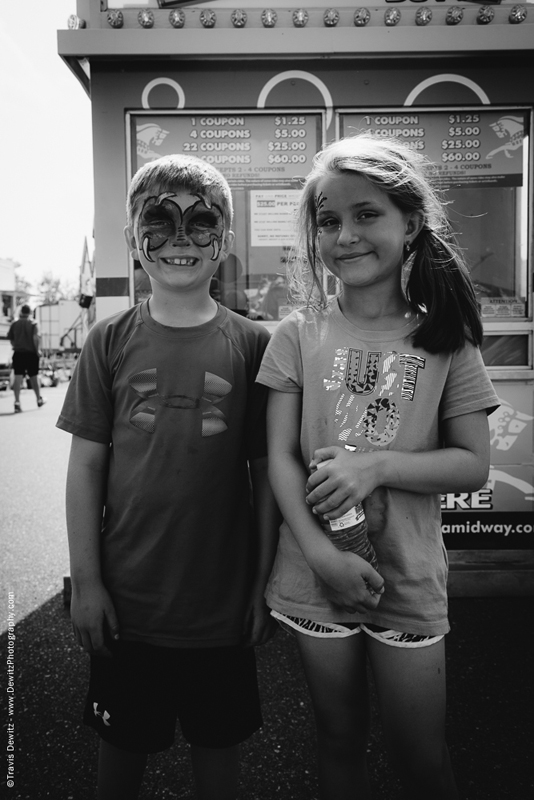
{"points": [[461, 465], [92, 611], [344, 576], [259, 623]]}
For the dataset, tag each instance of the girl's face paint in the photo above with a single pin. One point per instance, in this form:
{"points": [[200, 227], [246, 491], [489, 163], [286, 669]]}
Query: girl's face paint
{"points": [[178, 220]]}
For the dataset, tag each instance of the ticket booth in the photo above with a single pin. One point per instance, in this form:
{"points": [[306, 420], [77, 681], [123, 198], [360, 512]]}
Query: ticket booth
{"points": [[256, 91]]}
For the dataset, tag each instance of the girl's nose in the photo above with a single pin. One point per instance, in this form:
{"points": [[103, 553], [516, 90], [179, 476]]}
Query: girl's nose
{"points": [[348, 234]]}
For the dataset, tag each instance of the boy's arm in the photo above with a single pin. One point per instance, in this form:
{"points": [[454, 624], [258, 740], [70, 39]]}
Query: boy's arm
{"points": [[268, 519], [92, 612], [343, 575]]}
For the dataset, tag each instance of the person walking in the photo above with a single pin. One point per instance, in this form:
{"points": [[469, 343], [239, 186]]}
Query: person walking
{"points": [[26, 342]]}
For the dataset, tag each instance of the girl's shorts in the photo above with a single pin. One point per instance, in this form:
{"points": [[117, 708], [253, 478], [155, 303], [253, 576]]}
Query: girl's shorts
{"points": [[340, 630], [136, 696]]}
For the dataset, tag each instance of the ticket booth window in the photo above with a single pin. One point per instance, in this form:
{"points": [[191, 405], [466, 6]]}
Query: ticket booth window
{"points": [[507, 350], [491, 227], [265, 157]]}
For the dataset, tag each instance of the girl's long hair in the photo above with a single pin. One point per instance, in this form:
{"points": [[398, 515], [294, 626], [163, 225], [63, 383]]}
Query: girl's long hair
{"points": [[439, 287]]}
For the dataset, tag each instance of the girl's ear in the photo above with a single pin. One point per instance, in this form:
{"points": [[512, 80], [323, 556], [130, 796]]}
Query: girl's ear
{"points": [[228, 241], [131, 243], [414, 225]]}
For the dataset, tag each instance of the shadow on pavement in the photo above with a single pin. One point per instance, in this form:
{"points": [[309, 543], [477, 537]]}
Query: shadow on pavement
{"points": [[490, 668]]}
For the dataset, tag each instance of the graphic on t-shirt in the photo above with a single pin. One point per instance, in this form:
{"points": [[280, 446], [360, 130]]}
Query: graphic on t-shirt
{"points": [[145, 385], [376, 385]]}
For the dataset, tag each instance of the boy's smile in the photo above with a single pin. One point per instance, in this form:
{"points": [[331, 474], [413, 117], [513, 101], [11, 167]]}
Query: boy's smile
{"points": [[180, 262], [179, 238]]}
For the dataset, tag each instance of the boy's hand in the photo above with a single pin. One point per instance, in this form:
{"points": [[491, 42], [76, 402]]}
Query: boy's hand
{"points": [[94, 620], [349, 581], [259, 625], [346, 480]]}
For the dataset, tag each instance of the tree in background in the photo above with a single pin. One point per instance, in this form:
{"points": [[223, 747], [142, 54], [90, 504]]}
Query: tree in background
{"points": [[22, 288], [51, 289]]}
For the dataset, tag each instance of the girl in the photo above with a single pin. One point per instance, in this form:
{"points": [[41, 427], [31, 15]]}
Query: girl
{"points": [[387, 384]]}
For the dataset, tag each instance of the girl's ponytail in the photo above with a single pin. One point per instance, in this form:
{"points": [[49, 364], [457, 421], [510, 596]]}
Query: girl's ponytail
{"points": [[441, 287]]}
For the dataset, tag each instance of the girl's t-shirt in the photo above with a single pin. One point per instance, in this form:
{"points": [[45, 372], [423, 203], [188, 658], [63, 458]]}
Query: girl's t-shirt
{"points": [[373, 390]]}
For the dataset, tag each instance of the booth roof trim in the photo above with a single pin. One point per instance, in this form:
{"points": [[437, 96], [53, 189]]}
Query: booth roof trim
{"points": [[409, 28], [220, 30]]}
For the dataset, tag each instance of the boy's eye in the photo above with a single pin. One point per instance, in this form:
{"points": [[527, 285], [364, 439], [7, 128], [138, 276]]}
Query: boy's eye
{"points": [[155, 223], [155, 220], [204, 222]]}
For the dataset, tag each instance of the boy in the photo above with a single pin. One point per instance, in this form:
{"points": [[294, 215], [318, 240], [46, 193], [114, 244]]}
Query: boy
{"points": [[166, 419]]}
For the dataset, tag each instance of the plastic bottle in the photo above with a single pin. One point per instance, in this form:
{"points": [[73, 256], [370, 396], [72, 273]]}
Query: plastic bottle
{"points": [[350, 532]]}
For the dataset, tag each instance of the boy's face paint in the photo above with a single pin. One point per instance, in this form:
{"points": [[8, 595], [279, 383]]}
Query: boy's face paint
{"points": [[177, 220]]}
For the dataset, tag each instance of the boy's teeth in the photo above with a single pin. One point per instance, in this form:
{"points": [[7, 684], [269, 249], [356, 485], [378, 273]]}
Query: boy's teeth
{"points": [[180, 262]]}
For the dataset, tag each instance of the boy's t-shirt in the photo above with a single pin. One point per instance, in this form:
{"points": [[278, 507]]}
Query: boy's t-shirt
{"points": [[182, 414], [372, 391]]}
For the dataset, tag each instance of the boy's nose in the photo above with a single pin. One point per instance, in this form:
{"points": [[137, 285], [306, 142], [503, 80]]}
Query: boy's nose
{"points": [[181, 238]]}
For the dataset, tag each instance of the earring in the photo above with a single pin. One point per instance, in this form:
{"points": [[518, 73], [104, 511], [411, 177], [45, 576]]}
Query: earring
{"points": [[406, 271]]}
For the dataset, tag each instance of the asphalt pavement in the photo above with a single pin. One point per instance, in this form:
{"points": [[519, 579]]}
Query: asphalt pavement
{"points": [[489, 664]]}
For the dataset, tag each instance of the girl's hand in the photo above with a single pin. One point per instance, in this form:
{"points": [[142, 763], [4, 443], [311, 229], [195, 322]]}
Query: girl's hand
{"points": [[94, 620], [346, 480], [349, 581]]}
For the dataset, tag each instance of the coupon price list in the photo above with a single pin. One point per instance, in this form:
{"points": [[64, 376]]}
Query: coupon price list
{"points": [[463, 142], [289, 143]]}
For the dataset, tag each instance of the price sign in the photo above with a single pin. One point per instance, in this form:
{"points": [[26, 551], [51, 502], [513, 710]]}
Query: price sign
{"points": [[469, 147], [253, 151]]}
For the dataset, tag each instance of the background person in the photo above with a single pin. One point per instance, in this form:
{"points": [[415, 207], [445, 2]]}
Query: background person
{"points": [[26, 343]]}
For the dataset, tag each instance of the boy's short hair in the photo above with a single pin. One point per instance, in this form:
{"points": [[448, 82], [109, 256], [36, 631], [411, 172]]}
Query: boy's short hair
{"points": [[175, 171], [25, 309]]}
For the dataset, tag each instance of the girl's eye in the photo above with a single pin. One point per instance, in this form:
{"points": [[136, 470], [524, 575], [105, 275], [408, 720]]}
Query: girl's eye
{"points": [[328, 223]]}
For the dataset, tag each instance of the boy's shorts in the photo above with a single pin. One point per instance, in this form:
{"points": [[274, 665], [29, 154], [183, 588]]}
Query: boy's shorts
{"points": [[136, 696], [25, 363]]}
